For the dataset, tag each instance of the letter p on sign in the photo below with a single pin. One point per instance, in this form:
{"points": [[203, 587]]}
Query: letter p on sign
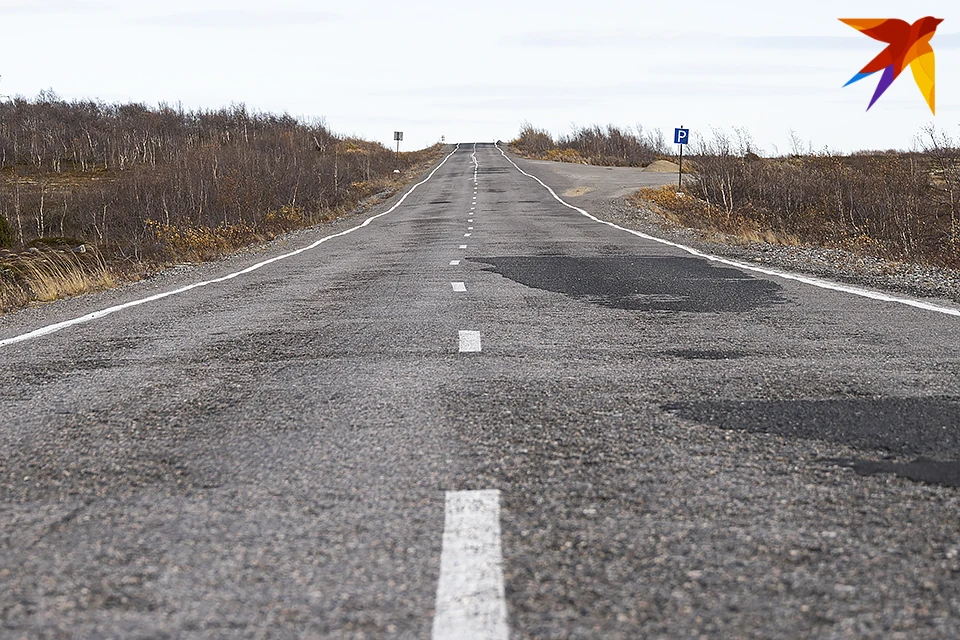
{"points": [[681, 136]]}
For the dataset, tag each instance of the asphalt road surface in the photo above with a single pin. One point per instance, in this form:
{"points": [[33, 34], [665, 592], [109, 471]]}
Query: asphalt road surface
{"points": [[482, 414]]}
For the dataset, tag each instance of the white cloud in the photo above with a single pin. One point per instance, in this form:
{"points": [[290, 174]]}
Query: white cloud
{"points": [[34, 7], [241, 19]]}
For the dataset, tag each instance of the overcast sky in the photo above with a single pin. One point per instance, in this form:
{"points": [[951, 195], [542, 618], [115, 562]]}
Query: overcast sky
{"points": [[477, 70]]}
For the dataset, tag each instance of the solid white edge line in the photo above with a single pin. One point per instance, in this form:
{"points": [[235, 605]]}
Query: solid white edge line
{"points": [[471, 601], [815, 282], [470, 342], [36, 333]]}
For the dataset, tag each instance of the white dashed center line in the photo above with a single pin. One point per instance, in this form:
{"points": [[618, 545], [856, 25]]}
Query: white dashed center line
{"points": [[469, 228], [463, 246], [466, 235], [454, 263], [469, 342], [459, 286], [470, 594]]}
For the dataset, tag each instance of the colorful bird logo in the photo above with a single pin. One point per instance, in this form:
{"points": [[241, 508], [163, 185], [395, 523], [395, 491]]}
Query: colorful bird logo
{"points": [[908, 44]]}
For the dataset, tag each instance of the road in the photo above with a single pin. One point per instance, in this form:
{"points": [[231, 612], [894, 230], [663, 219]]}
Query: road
{"points": [[482, 413]]}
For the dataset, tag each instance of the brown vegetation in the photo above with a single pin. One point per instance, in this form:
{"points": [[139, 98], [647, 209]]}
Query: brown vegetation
{"points": [[892, 205], [141, 188], [49, 274], [592, 145]]}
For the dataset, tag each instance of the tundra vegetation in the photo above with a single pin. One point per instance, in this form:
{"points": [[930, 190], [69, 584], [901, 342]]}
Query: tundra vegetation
{"points": [[895, 205], [609, 146], [93, 193]]}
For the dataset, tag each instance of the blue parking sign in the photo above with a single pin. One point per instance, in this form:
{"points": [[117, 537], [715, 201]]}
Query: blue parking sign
{"points": [[681, 136]]}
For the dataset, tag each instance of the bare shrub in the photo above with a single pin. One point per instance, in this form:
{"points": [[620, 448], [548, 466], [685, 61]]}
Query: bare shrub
{"points": [[533, 142], [158, 185], [894, 205], [610, 146]]}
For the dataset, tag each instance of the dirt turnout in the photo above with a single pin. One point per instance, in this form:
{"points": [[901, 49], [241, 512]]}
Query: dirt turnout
{"points": [[662, 166], [592, 182]]}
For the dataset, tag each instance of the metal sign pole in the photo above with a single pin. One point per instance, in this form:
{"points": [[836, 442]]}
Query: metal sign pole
{"points": [[680, 173], [681, 137], [398, 136]]}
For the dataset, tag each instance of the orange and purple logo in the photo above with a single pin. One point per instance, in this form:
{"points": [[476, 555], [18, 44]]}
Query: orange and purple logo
{"points": [[907, 44]]}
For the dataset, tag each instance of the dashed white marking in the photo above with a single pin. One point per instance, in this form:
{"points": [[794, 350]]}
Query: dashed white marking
{"points": [[467, 235], [42, 331], [469, 219], [815, 282], [459, 287], [469, 341], [454, 263], [471, 602], [469, 228], [463, 246]]}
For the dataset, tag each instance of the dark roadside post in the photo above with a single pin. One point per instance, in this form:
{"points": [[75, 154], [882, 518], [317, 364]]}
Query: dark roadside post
{"points": [[398, 136], [681, 136]]}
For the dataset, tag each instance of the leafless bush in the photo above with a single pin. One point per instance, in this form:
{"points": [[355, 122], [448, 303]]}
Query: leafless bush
{"points": [[609, 146], [945, 156], [892, 204], [154, 185], [101, 172], [532, 141]]}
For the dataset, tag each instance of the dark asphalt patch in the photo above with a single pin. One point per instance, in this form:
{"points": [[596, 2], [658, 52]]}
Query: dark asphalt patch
{"points": [[903, 426], [640, 283], [945, 472]]}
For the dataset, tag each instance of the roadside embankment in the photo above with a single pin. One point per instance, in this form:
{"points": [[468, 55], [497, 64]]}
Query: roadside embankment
{"points": [[93, 195], [623, 196]]}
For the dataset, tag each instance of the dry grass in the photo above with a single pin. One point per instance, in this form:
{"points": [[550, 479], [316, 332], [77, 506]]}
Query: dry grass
{"points": [[687, 210], [50, 274]]}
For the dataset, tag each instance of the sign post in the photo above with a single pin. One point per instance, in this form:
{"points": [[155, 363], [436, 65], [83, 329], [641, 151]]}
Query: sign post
{"points": [[398, 136], [681, 137]]}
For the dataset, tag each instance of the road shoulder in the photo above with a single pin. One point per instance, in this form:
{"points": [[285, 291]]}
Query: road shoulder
{"points": [[605, 191]]}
